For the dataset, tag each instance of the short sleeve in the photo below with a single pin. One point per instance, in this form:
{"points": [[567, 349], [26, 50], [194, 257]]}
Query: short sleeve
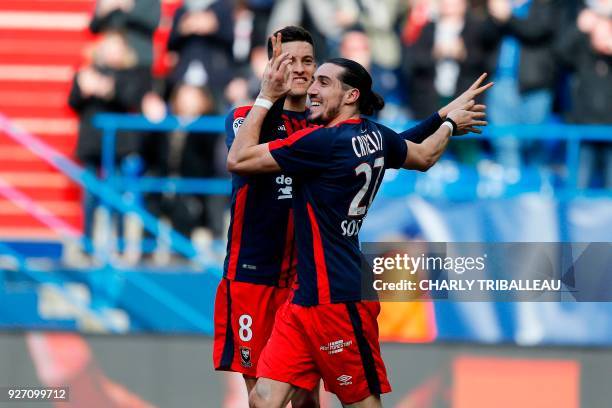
{"points": [[233, 121], [307, 150], [395, 147]]}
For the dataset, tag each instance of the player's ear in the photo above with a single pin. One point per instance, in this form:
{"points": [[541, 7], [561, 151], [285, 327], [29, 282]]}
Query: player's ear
{"points": [[351, 96]]}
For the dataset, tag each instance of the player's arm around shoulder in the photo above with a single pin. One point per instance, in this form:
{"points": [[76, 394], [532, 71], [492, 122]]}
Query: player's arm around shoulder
{"points": [[256, 159], [246, 155]]}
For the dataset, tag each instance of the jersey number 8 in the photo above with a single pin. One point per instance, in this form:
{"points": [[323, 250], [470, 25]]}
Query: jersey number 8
{"points": [[244, 332]]}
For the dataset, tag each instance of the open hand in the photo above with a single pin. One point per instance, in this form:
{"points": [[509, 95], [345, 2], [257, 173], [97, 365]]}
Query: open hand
{"points": [[469, 118], [470, 94], [276, 78]]}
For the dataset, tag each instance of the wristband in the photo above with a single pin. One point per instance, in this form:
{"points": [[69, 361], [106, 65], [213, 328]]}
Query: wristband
{"points": [[448, 125], [264, 103], [453, 124]]}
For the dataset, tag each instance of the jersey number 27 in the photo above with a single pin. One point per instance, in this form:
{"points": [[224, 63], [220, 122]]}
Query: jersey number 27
{"points": [[358, 206]]}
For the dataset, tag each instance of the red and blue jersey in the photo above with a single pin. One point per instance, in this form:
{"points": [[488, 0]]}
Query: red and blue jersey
{"points": [[261, 241], [336, 172]]}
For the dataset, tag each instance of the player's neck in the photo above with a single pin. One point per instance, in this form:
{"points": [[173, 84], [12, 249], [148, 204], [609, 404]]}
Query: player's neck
{"points": [[295, 103], [343, 116]]}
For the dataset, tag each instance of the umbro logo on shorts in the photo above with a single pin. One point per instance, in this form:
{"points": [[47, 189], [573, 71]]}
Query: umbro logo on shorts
{"points": [[344, 379]]}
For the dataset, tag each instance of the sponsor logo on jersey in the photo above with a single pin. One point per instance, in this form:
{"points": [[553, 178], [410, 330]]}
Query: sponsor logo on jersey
{"points": [[344, 379], [236, 125], [350, 228], [336, 346], [245, 357], [286, 191]]}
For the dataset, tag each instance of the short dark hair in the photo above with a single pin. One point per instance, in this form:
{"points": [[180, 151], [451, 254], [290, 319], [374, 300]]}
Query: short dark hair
{"points": [[356, 76], [290, 34]]}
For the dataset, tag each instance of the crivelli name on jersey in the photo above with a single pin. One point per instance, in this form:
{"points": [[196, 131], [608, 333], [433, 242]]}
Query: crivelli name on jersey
{"points": [[368, 143]]}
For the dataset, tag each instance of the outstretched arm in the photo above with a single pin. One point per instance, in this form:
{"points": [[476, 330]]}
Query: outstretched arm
{"points": [[428, 127], [460, 102], [423, 129], [247, 156], [424, 155]]}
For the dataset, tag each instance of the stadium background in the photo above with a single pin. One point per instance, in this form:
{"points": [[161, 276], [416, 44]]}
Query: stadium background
{"points": [[127, 322]]}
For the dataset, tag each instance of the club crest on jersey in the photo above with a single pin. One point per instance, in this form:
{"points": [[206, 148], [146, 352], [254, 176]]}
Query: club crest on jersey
{"points": [[245, 357], [286, 191], [236, 125]]}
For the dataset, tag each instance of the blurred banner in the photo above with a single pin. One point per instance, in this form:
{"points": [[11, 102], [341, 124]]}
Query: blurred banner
{"points": [[176, 371]]}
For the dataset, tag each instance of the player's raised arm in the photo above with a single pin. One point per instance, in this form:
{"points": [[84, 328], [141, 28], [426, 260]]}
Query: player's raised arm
{"points": [[246, 155], [427, 127], [460, 121]]}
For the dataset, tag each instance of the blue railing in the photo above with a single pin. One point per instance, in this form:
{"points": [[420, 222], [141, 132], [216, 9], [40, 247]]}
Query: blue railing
{"points": [[111, 123], [104, 278], [572, 135], [110, 197]]}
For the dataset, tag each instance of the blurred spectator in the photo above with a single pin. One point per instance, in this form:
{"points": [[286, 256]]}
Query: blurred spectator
{"points": [[153, 149], [419, 14], [237, 92], [586, 50], [202, 35], [325, 19], [193, 155], [153, 107], [447, 57], [526, 68], [355, 45], [449, 54], [379, 20], [243, 89], [261, 9], [137, 19], [113, 83]]}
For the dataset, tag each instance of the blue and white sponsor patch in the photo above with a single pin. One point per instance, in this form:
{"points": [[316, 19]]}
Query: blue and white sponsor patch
{"points": [[236, 125]]}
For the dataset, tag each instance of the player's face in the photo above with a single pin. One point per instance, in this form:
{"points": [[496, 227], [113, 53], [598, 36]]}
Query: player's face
{"points": [[326, 94], [302, 66]]}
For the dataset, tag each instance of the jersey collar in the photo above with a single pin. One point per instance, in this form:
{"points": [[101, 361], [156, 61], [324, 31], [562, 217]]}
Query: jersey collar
{"points": [[352, 121]]}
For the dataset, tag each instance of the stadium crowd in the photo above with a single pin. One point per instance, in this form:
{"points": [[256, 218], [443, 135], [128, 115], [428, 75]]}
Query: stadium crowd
{"points": [[551, 61]]}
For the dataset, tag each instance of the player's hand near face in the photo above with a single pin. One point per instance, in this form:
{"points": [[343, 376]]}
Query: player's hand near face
{"points": [[276, 81], [471, 93], [247, 156]]}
